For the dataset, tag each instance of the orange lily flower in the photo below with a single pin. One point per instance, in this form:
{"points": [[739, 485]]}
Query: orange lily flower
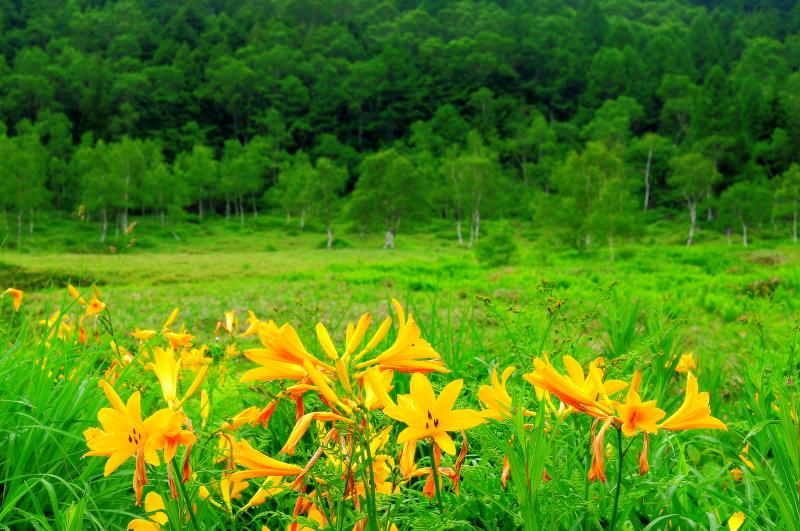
{"points": [[636, 415], [257, 464], [95, 306], [585, 393], [16, 297], [178, 340]]}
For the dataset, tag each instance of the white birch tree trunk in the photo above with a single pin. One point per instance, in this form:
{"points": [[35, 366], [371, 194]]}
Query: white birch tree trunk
{"points": [[104, 226], [388, 242]]}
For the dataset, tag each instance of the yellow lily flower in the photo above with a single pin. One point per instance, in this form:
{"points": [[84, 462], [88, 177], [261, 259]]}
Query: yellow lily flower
{"points": [[686, 363], [270, 487], [409, 352], [282, 356], [156, 517], [230, 325], [736, 521], [125, 435], [143, 335], [171, 318], [195, 359], [302, 425], [694, 413], [227, 489], [166, 368], [75, 295], [377, 384], [123, 432], [253, 324], [65, 326], [429, 416], [16, 297], [495, 397]]}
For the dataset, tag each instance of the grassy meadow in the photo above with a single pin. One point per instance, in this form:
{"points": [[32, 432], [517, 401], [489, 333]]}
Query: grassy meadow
{"points": [[735, 308]]}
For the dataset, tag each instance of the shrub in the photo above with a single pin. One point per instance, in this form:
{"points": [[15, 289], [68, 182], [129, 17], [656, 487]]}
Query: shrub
{"points": [[497, 249]]}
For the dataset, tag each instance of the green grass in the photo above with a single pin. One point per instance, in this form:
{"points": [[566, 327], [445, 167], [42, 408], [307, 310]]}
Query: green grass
{"points": [[737, 309]]}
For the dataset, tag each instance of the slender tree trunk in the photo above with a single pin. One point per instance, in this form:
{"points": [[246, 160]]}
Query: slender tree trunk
{"points": [[647, 179], [477, 225], [30, 223], [19, 228], [303, 218], [162, 217], [124, 219], [710, 212], [330, 237], [611, 246], [388, 243], [104, 226], [200, 208], [728, 234], [241, 211], [692, 220], [255, 208], [458, 231], [227, 208], [744, 235]]}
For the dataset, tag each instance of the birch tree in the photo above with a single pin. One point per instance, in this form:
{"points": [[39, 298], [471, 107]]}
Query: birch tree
{"points": [[389, 190], [650, 155], [747, 204], [693, 177], [324, 191]]}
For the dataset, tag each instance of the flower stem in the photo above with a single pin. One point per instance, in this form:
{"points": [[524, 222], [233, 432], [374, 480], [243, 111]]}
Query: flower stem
{"points": [[370, 488], [435, 472], [621, 456], [186, 499]]}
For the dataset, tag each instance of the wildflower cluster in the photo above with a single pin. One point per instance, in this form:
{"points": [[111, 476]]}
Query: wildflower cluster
{"points": [[341, 462], [591, 393], [341, 396]]}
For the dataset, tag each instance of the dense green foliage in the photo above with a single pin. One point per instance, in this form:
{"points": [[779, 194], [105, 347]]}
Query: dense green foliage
{"points": [[573, 115]]}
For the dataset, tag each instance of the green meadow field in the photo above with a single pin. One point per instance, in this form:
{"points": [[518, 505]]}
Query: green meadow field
{"points": [[735, 308]]}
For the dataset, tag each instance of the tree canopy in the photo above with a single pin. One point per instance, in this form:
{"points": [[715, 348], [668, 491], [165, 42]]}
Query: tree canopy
{"points": [[129, 107]]}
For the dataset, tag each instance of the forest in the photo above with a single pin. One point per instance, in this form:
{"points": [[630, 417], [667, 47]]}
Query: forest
{"points": [[589, 118]]}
